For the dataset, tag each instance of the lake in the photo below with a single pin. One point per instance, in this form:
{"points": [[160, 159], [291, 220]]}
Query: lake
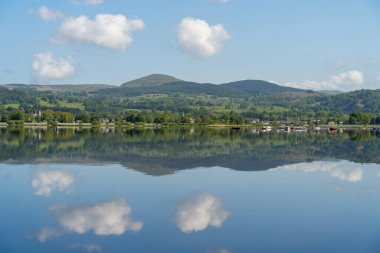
{"points": [[189, 190]]}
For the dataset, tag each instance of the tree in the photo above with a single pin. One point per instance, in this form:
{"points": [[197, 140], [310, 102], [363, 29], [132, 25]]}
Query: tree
{"points": [[357, 118], [65, 117], [48, 115]]}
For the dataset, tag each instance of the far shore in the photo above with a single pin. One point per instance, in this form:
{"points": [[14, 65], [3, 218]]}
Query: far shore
{"points": [[154, 125]]}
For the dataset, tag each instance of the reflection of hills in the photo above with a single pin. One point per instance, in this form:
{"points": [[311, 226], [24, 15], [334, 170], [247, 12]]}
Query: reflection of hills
{"points": [[163, 151], [168, 166]]}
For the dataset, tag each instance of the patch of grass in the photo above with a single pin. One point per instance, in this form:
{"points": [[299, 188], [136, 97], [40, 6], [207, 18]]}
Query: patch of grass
{"points": [[73, 105], [15, 106]]}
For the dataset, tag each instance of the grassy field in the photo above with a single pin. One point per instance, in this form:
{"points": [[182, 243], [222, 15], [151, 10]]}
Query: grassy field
{"points": [[73, 105], [15, 106]]}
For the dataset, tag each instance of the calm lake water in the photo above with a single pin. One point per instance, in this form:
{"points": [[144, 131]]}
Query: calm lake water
{"points": [[189, 190]]}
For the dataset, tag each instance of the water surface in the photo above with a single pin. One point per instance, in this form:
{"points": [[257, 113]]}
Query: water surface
{"points": [[189, 190]]}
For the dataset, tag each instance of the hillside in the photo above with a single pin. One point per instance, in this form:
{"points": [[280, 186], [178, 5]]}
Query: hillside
{"points": [[360, 100], [257, 87], [178, 87], [151, 80], [166, 94], [59, 87], [164, 84]]}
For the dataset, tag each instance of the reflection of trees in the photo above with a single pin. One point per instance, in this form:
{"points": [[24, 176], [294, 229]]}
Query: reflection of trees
{"points": [[360, 135], [179, 148]]}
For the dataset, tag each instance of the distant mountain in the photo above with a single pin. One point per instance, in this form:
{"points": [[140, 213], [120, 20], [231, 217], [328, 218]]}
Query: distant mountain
{"points": [[151, 80], [164, 84], [251, 98], [179, 87], [256, 87], [59, 87]]}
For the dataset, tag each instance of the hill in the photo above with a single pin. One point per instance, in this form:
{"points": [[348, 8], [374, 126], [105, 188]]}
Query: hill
{"points": [[164, 84], [257, 87], [162, 95], [151, 80], [59, 87], [359, 100], [178, 87]]}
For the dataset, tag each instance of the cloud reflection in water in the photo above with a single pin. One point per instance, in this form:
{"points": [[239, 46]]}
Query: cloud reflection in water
{"points": [[47, 233], [345, 171], [105, 218], [45, 182], [198, 212]]}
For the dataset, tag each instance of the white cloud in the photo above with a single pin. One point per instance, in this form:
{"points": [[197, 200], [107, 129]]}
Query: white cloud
{"points": [[48, 14], [198, 212], [46, 66], [349, 172], [340, 81], [106, 30], [197, 37], [46, 234], [105, 218], [90, 247], [378, 78], [46, 181], [349, 77]]}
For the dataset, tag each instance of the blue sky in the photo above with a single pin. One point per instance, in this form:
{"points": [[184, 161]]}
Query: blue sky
{"points": [[322, 44]]}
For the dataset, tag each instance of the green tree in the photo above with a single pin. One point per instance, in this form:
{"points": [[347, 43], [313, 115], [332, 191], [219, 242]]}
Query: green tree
{"points": [[357, 118], [48, 115]]}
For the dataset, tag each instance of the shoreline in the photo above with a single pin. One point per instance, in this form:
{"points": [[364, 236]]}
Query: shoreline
{"points": [[155, 125]]}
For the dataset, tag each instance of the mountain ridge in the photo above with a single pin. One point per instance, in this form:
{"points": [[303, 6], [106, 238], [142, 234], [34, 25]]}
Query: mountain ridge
{"points": [[151, 80]]}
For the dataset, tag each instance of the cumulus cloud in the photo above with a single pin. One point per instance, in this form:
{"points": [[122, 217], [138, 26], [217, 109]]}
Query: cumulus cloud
{"points": [[197, 37], [90, 247], [339, 81], [48, 14], [198, 212], [349, 77], [47, 181], [341, 170], [105, 218], [47, 233], [106, 30], [45, 66]]}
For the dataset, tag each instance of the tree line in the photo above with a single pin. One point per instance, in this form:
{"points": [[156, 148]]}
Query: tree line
{"points": [[164, 117]]}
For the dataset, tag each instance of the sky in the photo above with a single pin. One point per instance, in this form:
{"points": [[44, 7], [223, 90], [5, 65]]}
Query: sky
{"points": [[320, 45]]}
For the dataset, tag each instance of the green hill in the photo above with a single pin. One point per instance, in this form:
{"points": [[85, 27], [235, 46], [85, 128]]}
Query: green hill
{"points": [[167, 94], [177, 87], [257, 87], [164, 84], [151, 80], [58, 87]]}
